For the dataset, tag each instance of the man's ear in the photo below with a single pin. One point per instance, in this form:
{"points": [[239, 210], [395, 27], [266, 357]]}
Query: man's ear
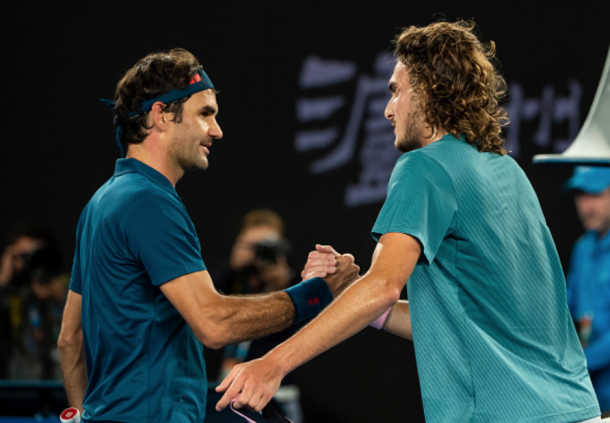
{"points": [[160, 118]]}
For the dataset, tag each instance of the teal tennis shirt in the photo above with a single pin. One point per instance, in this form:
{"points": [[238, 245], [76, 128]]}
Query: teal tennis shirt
{"points": [[493, 337], [144, 364]]}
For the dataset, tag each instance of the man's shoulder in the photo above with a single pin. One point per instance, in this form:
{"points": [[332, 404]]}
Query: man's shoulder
{"points": [[423, 162], [586, 241], [130, 195], [419, 170], [447, 150], [132, 188], [461, 158]]}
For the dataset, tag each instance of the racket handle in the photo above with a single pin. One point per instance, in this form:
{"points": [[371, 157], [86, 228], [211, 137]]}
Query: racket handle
{"points": [[70, 415]]}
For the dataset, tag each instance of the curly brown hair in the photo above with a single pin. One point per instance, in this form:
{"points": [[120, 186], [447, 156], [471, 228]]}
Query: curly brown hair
{"points": [[455, 82], [154, 75]]}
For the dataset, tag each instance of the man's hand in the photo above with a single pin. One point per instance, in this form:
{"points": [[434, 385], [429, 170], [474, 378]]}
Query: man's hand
{"points": [[7, 265], [320, 263], [255, 381], [339, 271], [394, 259]]}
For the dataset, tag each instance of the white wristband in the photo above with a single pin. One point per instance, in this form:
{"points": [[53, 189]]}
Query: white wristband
{"points": [[70, 415], [378, 324]]}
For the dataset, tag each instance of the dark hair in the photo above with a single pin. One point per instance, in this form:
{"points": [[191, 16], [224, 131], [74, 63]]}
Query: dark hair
{"points": [[455, 82], [31, 229], [154, 75]]}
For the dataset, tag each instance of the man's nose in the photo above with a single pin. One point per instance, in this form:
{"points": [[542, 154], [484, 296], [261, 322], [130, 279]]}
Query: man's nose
{"points": [[389, 111], [215, 131]]}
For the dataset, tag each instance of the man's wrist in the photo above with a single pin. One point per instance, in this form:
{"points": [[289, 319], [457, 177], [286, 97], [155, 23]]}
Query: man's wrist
{"points": [[380, 321], [309, 298], [281, 362]]}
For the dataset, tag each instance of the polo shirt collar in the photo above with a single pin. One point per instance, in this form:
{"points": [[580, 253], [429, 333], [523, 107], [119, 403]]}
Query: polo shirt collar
{"points": [[450, 137], [124, 166]]}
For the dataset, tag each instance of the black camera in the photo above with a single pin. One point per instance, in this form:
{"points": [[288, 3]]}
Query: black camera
{"points": [[268, 251], [41, 265]]}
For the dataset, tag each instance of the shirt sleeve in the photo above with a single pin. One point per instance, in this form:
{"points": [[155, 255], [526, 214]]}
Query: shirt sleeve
{"points": [[421, 202], [163, 238]]}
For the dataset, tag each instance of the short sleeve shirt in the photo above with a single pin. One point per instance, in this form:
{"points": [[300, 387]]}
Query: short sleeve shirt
{"points": [[143, 361], [493, 337]]}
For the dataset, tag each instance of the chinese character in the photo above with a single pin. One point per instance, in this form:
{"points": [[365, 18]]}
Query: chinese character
{"points": [[366, 123]]}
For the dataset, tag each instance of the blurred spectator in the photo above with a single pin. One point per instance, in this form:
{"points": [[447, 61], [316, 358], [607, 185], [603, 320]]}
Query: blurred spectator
{"points": [[258, 259], [589, 275], [259, 263], [32, 296]]}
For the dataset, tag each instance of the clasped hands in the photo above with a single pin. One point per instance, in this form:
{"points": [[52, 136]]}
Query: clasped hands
{"points": [[338, 270], [257, 381]]}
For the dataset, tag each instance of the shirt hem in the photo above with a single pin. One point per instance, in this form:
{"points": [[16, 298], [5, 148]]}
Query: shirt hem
{"points": [[167, 277], [581, 414]]}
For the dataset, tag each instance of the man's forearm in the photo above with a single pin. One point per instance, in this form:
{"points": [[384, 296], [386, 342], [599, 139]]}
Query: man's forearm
{"points": [[354, 310], [75, 372], [399, 320], [368, 298], [241, 318], [358, 306]]}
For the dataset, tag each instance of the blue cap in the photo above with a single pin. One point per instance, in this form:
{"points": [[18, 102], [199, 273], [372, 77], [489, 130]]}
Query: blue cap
{"points": [[592, 180]]}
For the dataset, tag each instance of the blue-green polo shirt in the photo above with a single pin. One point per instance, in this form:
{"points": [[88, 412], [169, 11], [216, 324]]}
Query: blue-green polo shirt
{"points": [[144, 364], [493, 338]]}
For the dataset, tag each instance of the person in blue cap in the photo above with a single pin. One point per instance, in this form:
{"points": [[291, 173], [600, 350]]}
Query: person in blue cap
{"points": [[141, 302], [462, 227], [589, 275]]}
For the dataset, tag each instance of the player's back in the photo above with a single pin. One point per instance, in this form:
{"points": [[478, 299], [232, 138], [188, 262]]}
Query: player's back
{"points": [[510, 277]]}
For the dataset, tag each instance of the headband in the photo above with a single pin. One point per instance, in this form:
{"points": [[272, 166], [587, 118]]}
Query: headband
{"points": [[199, 82]]}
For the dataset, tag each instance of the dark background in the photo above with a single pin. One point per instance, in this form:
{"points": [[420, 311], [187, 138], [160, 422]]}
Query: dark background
{"points": [[58, 144]]}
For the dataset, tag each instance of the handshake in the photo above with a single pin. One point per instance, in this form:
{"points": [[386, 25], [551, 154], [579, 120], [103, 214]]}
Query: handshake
{"points": [[338, 270]]}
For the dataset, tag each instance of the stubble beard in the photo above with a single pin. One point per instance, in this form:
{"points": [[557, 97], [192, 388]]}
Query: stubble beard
{"points": [[411, 137], [190, 162], [187, 159], [199, 165]]}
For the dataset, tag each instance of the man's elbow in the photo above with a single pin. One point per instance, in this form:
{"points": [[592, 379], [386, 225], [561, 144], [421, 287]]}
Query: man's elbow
{"points": [[391, 296], [212, 336], [68, 341]]}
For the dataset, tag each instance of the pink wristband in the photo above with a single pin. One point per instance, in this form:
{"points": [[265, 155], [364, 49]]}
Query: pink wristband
{"points": [[378, 324]]}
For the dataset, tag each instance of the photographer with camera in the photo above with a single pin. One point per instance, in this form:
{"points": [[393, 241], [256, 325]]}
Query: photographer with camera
{"points": [[32, 296], [258, 264], [258, 259]]}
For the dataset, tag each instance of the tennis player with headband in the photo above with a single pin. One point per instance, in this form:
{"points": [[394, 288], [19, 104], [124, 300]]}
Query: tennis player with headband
{"points": [[141, 302]]}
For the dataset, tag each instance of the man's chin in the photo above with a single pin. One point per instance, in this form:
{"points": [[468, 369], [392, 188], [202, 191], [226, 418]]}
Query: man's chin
{"points": [[199, 165], [406, 146]]}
